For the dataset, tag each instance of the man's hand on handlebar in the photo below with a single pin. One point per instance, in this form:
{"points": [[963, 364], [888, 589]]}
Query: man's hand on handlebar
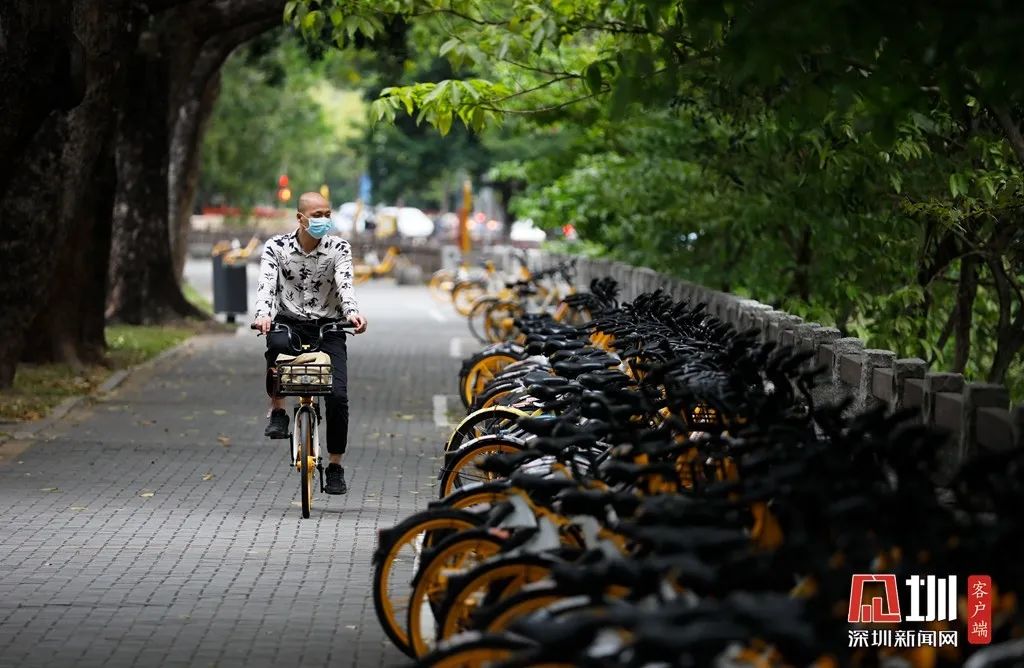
{"points": [[359, 321], [262, 325]]}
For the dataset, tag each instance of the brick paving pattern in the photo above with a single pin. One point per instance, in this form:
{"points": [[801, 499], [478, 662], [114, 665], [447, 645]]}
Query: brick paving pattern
{"points": [[157, 526]]}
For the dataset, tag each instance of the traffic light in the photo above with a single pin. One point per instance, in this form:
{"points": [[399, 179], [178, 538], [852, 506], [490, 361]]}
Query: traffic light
{"points": [[284, 194]]}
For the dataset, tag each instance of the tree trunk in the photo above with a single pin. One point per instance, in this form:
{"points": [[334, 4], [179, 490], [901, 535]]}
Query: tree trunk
{"points": [[195, 84], [71, 327], [161, 126], [183, 176], [967, 290], [143, 285], [32, 137], [802, 271], [1010, 331], [56, 214]]}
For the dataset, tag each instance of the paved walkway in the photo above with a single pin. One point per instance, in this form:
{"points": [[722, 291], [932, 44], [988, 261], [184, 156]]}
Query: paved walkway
{"points": [[157, 526]]}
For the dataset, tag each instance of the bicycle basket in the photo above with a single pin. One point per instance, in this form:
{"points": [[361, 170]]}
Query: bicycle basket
{"points": [[304, 378]]}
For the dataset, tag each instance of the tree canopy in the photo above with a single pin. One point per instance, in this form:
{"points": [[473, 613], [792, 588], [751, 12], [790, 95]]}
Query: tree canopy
{"points": [[278, 113], [855, 162]]}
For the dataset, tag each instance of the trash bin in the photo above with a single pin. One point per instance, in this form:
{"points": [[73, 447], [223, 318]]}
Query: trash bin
{"points": [[230, 287]]}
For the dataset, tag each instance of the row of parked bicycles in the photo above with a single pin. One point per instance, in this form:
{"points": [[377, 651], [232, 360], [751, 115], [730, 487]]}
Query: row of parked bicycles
{"points": [[654, 488], [491, 299]]}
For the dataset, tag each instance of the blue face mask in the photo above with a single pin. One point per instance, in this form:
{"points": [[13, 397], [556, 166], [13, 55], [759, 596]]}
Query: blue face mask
{"points": [[318, 227]]}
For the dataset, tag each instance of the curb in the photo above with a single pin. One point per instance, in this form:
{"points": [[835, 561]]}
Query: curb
{"points": [[31, 429]]}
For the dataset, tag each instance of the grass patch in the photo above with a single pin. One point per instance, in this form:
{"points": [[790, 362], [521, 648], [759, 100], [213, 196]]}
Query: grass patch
{"points": [[196, 299], [132, 344], [39, 387]]}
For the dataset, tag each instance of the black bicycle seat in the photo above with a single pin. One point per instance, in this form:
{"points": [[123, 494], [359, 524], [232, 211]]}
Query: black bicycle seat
{"points": [[540, 378], [576, 369], [550, 391], [542, 490], [555, 345], [603, 379]]}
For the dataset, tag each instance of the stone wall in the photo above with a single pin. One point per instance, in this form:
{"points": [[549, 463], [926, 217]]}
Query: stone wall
{"points": [[978, 416]]}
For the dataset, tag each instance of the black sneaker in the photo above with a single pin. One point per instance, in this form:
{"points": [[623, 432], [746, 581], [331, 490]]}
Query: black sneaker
{"points": [[278, 425], [335, 479]]}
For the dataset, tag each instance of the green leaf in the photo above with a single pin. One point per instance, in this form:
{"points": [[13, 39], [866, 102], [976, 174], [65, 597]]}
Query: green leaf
{"points": [[538, 38], [313, 22], [444, 123], [453, 43], [436, 92], [592, 75], [477, 119], [622, 95]]}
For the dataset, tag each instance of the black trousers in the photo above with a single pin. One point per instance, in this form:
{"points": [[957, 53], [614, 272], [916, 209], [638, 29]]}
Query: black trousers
{"points": [[334, 345]]}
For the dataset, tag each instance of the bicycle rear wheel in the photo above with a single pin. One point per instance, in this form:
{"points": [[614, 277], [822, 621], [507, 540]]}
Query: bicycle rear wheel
{"points": [[476, 317], [457, 553], [482, 422], [304, 433], [397, 558], [461, 467]]}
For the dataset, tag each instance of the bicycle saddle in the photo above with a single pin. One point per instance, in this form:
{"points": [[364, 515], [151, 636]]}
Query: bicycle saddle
{"points": [[304, 358], [603, 380], [551, 392], [555, 345], [541, 426], [595, 502], [579, 354], [555, 446], [704, 541], [542, 490], [541, 378]]}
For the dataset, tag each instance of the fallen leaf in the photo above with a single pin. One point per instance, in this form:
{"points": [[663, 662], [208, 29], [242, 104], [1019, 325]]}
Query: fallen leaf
{"points": [[351, 626], [219, 411], [224, 440], [48, 489], [207, 476], [405, 416], [77, 508], [146, 495]]}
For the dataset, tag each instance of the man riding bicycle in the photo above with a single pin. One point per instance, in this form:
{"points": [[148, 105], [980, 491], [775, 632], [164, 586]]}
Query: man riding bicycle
{"points": [[306, 283]]}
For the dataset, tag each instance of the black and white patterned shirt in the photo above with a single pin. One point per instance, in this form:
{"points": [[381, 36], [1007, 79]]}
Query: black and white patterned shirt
{"points": [[302, 285]]}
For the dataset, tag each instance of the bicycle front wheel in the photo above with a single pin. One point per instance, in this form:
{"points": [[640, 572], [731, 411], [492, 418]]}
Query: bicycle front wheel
{"points": [[304, 433]]}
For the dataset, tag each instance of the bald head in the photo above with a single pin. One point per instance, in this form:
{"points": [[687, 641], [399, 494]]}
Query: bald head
{"points": [[312, 202]]}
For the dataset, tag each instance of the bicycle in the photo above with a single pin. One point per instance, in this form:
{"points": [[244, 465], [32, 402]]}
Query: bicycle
{"points": [[307, 376]]}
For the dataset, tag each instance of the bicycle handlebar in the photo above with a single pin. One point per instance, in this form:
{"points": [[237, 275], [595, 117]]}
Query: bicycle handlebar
{"points": [[329, 327]]}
